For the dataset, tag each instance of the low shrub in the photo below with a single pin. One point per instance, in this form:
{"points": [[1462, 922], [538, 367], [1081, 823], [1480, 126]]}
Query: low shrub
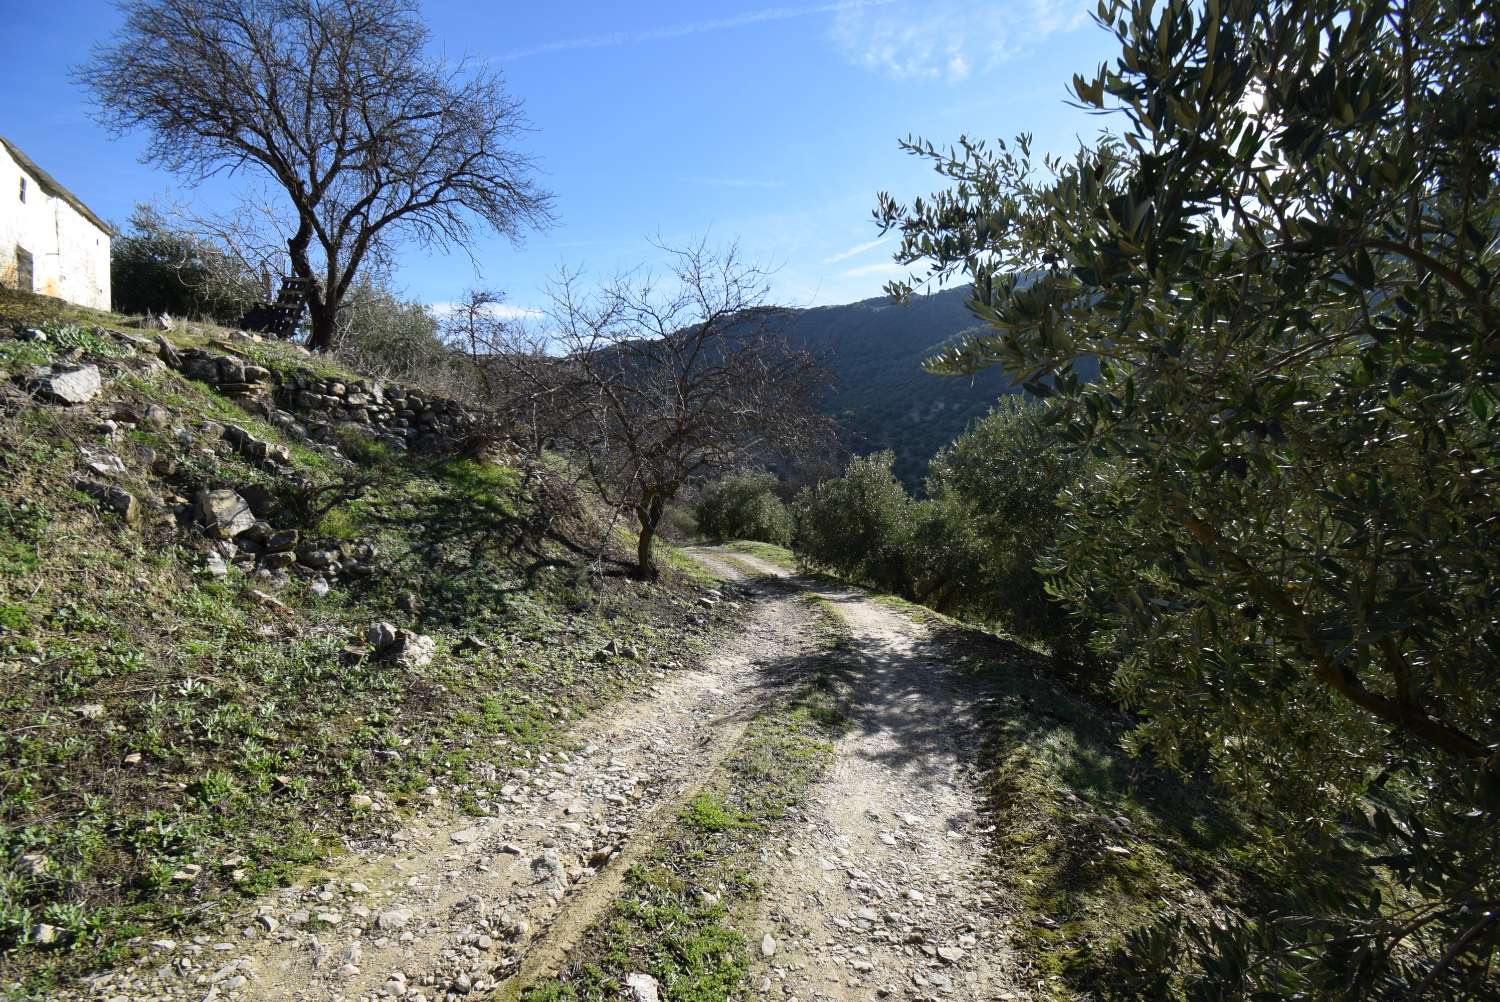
{"points": [[744, 506]]}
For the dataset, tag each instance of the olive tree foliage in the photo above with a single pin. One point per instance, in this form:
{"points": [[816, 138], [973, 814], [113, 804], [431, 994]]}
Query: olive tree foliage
{"points": [[368, 138], [743, 505], [381, 333], [1286, 263], [994, 518], [973, 547], [651, 382], [158, 266], [858, 525]]}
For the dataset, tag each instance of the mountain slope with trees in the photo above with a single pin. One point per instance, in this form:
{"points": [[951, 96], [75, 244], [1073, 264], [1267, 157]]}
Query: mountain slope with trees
{"points": [[881, 397]]}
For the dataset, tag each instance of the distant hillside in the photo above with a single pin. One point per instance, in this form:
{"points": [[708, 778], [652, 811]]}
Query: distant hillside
{"points": [[882, 398]]}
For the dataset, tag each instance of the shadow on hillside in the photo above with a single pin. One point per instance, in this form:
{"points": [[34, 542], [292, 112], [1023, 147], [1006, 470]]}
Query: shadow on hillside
{"points": [[461, 550]]}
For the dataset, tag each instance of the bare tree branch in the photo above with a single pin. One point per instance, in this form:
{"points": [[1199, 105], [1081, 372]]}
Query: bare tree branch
{"points": [[338, 103], [651, 382]]}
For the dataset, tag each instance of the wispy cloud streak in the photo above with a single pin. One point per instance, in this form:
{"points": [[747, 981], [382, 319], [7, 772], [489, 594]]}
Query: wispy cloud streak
{"points": [[500, 311], [684, 29], [856, 250], [951, 39]]}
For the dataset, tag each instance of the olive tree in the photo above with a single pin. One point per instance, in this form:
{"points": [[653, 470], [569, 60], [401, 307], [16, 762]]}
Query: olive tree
{"points": [[1285, 261], [157, 266], [368, 137]]}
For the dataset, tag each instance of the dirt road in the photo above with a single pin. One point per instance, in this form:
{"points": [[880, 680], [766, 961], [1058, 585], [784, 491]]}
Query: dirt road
{"points": [[879, 892], [883, 893]]}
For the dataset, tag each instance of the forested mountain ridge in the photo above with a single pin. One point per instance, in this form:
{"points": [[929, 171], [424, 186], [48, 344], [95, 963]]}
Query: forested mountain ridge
{"points": [[880, 395]]}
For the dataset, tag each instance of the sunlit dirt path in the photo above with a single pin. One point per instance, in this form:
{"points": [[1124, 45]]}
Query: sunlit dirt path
{"points": [[882, 892]]}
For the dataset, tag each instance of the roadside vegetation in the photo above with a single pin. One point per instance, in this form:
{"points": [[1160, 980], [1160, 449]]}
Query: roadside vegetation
{"points": [[1265, 529], [743, 506], [177, 740]]}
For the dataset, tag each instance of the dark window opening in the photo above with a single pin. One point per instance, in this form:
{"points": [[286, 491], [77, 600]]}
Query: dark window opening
{"points": [[24, 269], [23, 189]]}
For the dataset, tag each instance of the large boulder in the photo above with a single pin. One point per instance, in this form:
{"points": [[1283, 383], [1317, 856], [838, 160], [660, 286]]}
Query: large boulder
{"points": [[223, 513], [168, 353], [70, 386], [200, 365]]}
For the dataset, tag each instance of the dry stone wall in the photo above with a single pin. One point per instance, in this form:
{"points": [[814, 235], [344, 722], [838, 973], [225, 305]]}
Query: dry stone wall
{"points": [[315, 407], [230, 523]]}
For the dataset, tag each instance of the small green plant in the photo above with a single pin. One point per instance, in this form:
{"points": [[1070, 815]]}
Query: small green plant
{"points": [[14, 618], [707, 812]]}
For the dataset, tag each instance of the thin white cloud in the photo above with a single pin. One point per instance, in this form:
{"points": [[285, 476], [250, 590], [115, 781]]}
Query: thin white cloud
{"points": [[950, 39], [761, 16], [733, 182], [500, 311], [856, 250]]}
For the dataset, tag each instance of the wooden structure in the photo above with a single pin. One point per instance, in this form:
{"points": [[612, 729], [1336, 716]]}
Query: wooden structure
{"points": [[281, 317]]}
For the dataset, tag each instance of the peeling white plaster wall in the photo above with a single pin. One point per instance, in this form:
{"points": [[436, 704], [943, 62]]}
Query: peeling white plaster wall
{"points": [[70, 255]]}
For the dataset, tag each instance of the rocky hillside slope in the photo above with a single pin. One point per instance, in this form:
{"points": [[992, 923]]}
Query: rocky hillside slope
{"points": [[255, 609]]}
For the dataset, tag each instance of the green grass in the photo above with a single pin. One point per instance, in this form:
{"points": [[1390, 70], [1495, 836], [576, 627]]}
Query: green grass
{"points": [[769, 552], [27, 309], [154, 717]]}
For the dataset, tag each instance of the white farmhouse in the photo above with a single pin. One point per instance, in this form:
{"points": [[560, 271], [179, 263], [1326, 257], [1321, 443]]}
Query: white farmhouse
{"points": [[50, 242]]}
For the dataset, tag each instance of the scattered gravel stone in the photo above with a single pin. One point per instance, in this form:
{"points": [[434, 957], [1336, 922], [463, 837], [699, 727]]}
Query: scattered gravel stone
{"points": [[642, 988], [395, 918]]}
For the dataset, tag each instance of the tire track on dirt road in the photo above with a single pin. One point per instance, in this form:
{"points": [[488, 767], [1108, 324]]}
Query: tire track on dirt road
{"points": [[883, 892]]}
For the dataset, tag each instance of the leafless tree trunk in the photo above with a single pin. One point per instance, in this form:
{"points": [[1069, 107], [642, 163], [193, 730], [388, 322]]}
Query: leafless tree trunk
{"points": [[337, 104]]}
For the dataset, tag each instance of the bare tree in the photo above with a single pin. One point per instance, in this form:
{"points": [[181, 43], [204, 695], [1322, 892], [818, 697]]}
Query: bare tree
{"points": [[252, 233], [647, 385], [336, 102]]}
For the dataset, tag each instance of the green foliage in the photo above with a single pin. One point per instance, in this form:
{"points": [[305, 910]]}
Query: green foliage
{"points": [[859, 525], [707, 812], [381, 333], [158, 269], [974, 546], [1287, 263], [744, 506], [993, 517]]}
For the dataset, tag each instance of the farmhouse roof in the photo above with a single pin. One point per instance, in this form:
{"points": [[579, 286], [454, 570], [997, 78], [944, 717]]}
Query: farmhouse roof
{"points": [[50, 186]]}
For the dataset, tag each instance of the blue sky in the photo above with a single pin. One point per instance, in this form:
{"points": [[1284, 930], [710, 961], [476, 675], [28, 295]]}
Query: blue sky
{"points": [[771, 123]]}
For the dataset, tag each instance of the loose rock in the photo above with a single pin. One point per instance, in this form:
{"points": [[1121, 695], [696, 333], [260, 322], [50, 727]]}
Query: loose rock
{"points": [[642, 987], [70, 386], [223, 513]]}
